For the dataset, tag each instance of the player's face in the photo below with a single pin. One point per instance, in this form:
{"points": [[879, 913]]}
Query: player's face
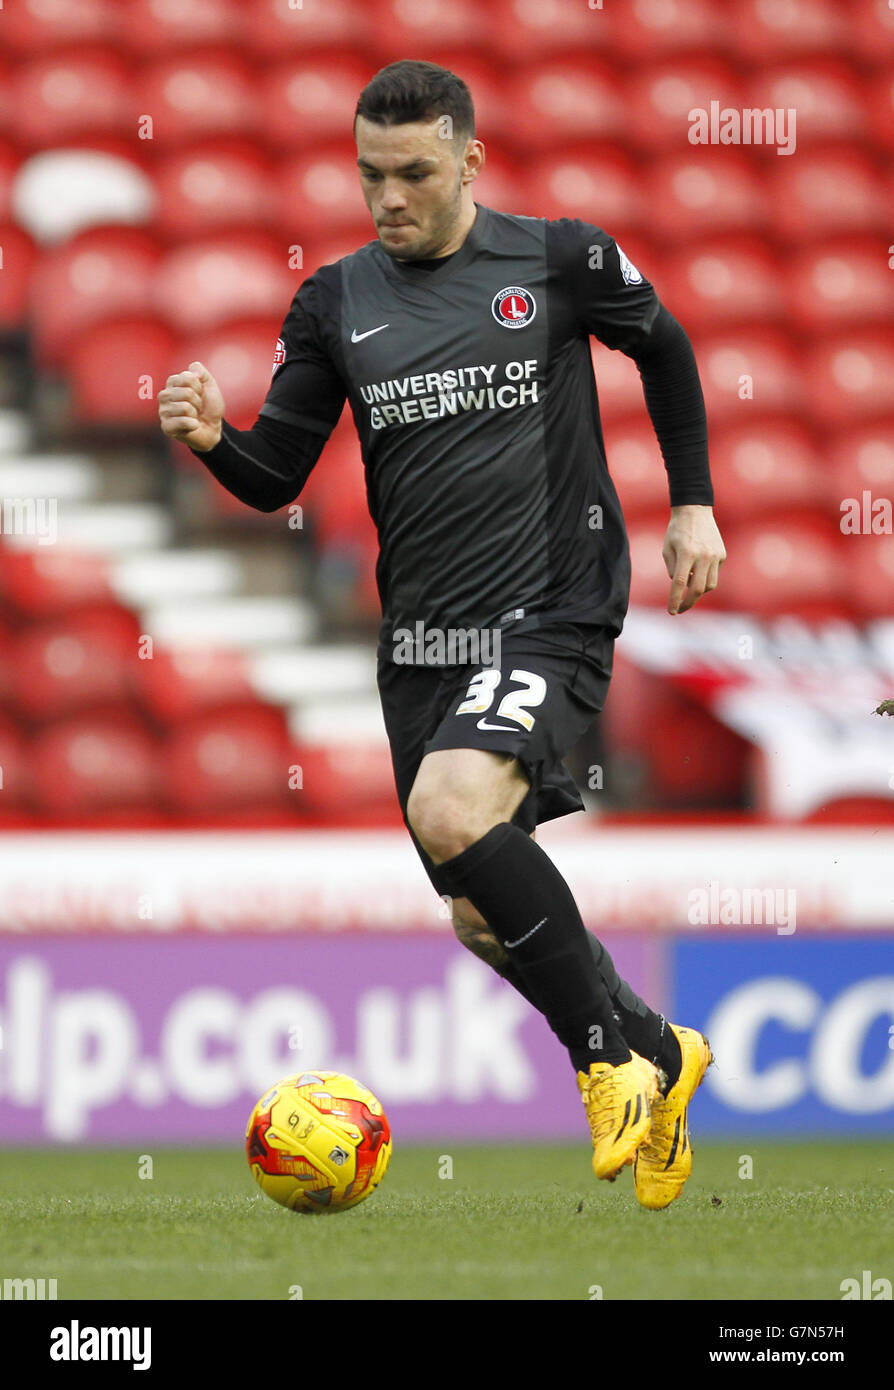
{"points": [[413, 181]]}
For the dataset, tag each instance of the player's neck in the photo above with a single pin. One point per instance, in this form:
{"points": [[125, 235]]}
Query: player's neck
{"points": [[463, 227]]}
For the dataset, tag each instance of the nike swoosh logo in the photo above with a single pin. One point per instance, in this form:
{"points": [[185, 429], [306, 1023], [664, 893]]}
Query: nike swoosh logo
{"points": [[358, 337], [525, 937], [506, 728]]}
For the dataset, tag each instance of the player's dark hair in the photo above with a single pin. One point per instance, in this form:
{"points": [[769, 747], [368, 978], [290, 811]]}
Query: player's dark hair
{"points": [[412, 90]]}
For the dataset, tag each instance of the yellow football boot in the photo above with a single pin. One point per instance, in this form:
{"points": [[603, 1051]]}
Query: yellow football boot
{"points": [[664, 1161], [618, 1103]]}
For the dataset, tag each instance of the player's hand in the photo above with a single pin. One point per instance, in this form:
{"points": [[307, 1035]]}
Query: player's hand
{"points": [[191, 408], [693, 553]]}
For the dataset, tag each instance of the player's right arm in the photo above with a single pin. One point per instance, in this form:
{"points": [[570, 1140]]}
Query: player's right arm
{"points": [[267, 466]]}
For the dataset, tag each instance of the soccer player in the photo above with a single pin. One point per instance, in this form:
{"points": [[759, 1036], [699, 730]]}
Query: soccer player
{"points": [[460, 337]]}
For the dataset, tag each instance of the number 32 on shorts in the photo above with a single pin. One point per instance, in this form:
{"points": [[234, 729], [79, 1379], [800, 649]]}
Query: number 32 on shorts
{"points": [[514, 705]]}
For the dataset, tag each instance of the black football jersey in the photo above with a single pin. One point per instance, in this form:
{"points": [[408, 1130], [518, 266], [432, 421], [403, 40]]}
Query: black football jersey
{"points": [[472, 390]]}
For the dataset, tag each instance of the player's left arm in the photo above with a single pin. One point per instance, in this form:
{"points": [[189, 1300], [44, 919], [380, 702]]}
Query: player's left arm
{"points": [[614, 302]]}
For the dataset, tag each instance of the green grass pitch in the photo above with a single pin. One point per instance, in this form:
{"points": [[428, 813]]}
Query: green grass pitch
{"points": [[526, 1222]]}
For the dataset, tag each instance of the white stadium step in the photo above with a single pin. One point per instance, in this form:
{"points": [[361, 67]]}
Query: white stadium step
{"points": [[233, 622], [295, 674], [338, 721], [158, 576], [15, 432], [105, 529], [67, 477]]}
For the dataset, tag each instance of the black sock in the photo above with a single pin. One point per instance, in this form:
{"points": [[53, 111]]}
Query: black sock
{"points": [[646, 1032], [643, 1030], [530, 909]]}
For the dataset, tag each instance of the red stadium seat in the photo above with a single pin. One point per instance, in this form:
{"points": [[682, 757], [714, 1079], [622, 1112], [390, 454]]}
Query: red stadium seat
{"points": [[178, 685], [48, 581], [311, 100], [853, 811], [870, 29], [678, 753], [71, 665], [349, 780], [320, 194], [335, 493], [860, 459], [204, 283], [14, 770], [20, 258], [228, 760], [846, 282], [366, 594], [723, 281], [5, 99], [833, 191], [32, 29], [337, 245], [617, 380], [566, 99], [649, 582], [274, 28], [86, 766], [522, 30], [598, 184], [706, 192], [503, 184], [240, 358], [116, 369], [771, 461], [10, 164], [657, 100], [71, 93], [850, 377], [402, 28], [214, 188], [103, 272], [826, 94], [663, 29], [636, 466], [879, 100], [7, 636], [763, 32], [199, 96], [184, 25], [871, 573], [747, 371], [795, 563]]}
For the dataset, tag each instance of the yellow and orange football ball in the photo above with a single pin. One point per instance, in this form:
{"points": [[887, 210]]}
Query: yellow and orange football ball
{"points": [[318, 1141]]}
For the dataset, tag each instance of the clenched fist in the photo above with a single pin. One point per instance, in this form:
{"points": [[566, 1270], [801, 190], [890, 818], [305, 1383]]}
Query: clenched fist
{"points": [[190, 408]]}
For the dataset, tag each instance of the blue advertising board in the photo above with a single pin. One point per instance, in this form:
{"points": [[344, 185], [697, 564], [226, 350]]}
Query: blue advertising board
{"points": [[802, 1030]]}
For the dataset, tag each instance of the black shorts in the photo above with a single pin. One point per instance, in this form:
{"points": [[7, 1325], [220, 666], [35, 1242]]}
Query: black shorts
{"points": [[549, 686]]}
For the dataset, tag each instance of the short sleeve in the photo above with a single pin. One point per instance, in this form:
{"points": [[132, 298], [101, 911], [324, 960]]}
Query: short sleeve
{"points": [[306, 389], [611, 298]]}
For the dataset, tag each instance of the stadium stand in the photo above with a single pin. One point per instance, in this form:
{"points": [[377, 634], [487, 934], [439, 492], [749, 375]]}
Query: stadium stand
{"points": [[133, 244]]}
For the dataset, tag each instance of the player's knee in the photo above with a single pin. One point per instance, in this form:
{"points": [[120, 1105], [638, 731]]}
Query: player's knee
{"points": [[444, 824]]}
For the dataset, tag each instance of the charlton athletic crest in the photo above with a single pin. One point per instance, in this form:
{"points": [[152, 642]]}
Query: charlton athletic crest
{"points": [[514, 307], [279, 355]]}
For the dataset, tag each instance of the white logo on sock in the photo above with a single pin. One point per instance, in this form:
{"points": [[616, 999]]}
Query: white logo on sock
{"points": [[526, 935]]}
